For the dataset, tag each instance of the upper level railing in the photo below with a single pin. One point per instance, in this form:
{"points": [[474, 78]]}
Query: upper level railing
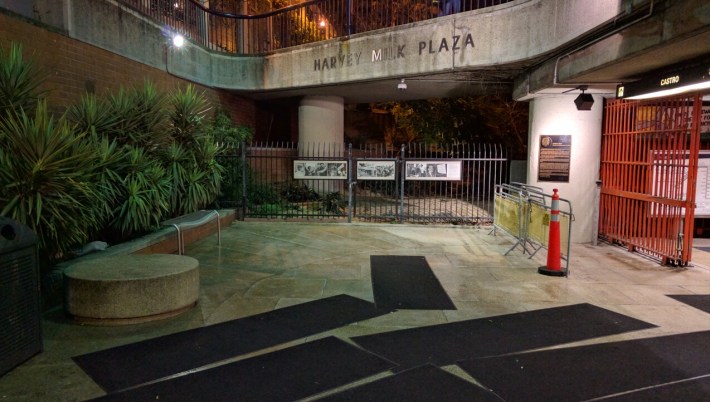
{"points": [[310, 21]]}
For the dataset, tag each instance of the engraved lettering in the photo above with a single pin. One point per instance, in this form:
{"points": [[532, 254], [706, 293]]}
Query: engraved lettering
{"points": [[376, 55]]}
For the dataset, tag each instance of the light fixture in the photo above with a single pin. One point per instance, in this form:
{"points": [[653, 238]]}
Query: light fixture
{"points": [[402, 86], [322, 23], [178, 41], [584, 101]]}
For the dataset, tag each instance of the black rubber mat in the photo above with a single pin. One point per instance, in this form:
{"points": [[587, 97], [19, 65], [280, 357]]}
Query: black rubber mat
{"points": [[133, 364], [701, 302], [596, 371], [447, 343], [691, 390], [284, 375], [422, 384], [706, 249], [407, 282]]}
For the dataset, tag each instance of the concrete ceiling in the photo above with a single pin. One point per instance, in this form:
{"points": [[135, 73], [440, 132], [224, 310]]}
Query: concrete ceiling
{"points": [[443, 85]]}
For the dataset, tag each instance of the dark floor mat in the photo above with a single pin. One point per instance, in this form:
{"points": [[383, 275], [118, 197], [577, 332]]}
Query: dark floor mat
{"points": [[407, 282], [129, 365], [594, 371], [447, 343], [284, 375], [692, 390], [707, 249], [701, 302], [422, 384]]}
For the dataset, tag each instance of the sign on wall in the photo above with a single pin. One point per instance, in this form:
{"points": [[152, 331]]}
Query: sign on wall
{"points": [[320, 169], [433, 170], [554, 162]]}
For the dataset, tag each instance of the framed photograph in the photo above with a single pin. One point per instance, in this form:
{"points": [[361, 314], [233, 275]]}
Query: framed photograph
{"points": [[375, 170], [333, 170], [433, 170]]}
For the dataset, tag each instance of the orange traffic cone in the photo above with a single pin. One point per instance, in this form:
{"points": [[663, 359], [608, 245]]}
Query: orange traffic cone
{"points": [[554, 259]]}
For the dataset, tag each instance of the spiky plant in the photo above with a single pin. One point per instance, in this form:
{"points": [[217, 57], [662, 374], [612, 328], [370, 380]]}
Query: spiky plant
{"points": [[178, 163], [186, 114], [141, 118], [144, 193], [97, 114], [47, 173], [20, 84], [206, 153]]}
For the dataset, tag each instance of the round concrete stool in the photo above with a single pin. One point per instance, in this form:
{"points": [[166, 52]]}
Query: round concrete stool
{"points": [[130, 289]]}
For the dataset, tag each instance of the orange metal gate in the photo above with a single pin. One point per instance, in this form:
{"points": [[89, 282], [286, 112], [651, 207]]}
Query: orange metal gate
{"points": [[649, 167]]}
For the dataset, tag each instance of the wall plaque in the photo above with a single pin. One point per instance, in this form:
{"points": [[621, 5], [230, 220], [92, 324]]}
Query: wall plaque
{"points": [[554, 158]]}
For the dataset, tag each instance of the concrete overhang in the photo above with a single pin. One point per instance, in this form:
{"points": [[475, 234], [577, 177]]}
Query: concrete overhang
{"points": [[671, 33], [521, 47]]}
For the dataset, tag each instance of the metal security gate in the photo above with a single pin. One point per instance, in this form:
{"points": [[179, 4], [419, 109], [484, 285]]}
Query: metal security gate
{"points": [[413, 183], [422, 183], [649, 167]]}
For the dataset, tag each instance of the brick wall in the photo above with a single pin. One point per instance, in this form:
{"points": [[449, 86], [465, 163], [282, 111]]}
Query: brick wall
{"points": [[72, 67]]}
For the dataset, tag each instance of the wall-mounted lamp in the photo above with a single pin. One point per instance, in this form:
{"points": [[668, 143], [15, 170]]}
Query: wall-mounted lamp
{"points": [[178, 41], [584, 101], [402, 86]]}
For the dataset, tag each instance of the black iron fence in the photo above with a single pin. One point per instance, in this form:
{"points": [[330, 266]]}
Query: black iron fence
{"points": [[225, 28], [414, 183]]}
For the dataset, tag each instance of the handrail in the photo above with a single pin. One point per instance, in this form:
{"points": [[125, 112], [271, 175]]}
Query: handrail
{"points": [[306, 22]]}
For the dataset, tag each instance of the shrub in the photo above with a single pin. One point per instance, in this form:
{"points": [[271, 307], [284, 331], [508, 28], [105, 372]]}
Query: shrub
{"points": [[19, 83], [48, 173]]}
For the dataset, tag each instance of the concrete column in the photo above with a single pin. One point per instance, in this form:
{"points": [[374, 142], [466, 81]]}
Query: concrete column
{"points": [[558, 115], [321, 119], [321, 127]]}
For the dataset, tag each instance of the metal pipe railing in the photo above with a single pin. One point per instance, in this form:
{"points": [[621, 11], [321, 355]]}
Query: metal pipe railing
{"points": [[306, 22]]}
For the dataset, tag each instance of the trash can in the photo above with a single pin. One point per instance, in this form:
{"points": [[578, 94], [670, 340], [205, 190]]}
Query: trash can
{"points": [[20, 302]]}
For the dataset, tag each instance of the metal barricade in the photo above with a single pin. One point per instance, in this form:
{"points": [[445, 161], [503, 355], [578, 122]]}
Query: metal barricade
{"points": [[523, 212]]}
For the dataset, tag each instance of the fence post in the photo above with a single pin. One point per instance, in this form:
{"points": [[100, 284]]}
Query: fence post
{"points": [[349, 14], [244, 179], [351, 183], [402, 175]]}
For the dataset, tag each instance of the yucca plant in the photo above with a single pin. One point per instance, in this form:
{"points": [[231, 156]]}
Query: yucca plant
{"points": [[144, 193], [47, 173], [111, 162], [98, 115], [141, 118], [178, 163], [196, 194], [186, 115], [20, 85], [206, 152]]}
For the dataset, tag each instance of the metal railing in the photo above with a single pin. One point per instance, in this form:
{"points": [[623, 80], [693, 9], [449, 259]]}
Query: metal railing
{"points": [[414, 183], [524, 212], [226, 30]]}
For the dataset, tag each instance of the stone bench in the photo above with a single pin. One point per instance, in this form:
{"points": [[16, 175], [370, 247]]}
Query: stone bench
{"points": [[128, 289]]}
